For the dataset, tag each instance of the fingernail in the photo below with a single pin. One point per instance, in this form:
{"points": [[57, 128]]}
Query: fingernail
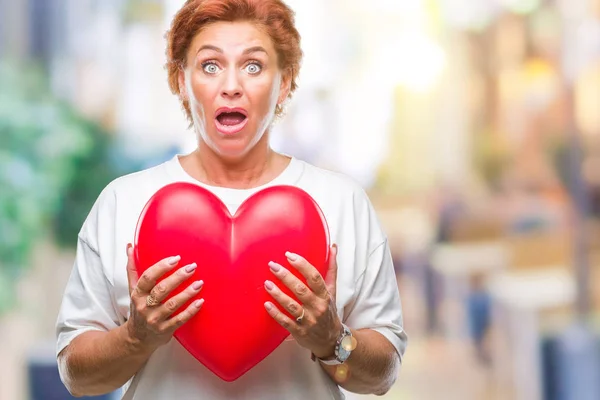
{"points": [[291, 256], [197, 285], [129, 248], [198, 303], [335, 247], [269, 285], [274, 266], [190, 268], [268, 306], [174, 260]]}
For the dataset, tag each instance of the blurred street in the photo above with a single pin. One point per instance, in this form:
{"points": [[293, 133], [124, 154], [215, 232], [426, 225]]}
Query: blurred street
{"points": [[474, 126]]}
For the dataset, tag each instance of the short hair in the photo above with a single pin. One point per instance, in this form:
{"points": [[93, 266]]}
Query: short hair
{"points": [[274, 16]]}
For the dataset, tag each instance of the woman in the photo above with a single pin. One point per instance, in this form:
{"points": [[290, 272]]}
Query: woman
{"points": [[233, 63]]}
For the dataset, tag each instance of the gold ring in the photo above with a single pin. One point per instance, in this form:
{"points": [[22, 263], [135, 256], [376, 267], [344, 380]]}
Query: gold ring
{"points": [[299, 319], [151, 300]]}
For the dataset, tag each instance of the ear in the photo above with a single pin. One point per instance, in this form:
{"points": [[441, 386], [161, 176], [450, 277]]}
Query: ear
{"points": [[182, 86], [285, 87]]}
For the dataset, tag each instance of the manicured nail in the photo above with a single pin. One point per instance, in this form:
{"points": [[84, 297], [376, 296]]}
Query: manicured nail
{"points": [[197, 285], [268, 306], [174, 260], [198, 303], [291, 256], [274, 266], [190, 268], [269, 285]]}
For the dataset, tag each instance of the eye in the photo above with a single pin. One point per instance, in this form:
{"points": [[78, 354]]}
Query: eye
{"points": [[253, 68], [210, 67]]}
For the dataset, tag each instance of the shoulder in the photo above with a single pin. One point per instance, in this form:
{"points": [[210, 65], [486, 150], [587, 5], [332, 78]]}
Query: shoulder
{"points": [[122, 197], [133, 183], [345, 204], [137, 184], [334, 182]]}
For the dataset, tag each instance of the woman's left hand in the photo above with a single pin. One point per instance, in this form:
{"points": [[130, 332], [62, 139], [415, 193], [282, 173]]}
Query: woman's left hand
{"points": [[319, 328]]}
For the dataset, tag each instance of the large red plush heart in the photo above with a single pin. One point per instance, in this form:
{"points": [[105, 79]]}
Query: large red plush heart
{"points": [[232, 332]]}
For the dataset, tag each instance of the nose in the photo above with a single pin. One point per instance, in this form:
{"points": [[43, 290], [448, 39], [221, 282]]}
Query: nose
{"points": [[232, 87]]}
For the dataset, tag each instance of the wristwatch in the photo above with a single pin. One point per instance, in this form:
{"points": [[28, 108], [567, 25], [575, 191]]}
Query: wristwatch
{"points": [[344, 346]]}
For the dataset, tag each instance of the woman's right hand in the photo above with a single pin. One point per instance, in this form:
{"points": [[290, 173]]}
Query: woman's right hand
{"points": [[151, 324]]}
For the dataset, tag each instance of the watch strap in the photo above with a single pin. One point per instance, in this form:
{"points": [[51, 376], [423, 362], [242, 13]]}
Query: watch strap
{"points": [[335, 360]]}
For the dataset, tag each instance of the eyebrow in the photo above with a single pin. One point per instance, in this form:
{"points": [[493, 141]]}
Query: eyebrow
{"points": [[255, 49], [249, 50]]}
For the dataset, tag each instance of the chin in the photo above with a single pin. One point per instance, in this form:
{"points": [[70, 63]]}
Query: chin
{"points": [[231, 149]]}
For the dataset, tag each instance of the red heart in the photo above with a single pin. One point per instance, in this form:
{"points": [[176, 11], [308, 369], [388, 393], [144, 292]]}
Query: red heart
{"points": [[232, 332]]}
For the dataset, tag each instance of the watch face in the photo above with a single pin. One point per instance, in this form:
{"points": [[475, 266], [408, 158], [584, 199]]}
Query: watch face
{"points": [[344, 347], [343, 354]]}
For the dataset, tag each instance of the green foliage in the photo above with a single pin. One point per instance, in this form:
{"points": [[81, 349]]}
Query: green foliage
{"points": [[53, 164], [92, 171]]}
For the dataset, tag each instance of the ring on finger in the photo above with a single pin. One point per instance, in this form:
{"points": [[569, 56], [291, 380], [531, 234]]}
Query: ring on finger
{"points": [[301, 317], [151, 301]]}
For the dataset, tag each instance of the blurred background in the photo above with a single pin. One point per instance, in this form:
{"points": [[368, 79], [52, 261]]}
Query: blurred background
{"points": [[474, 125]]}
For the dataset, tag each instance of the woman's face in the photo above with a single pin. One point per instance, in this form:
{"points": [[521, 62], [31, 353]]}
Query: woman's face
{"points": [[233, 84]]}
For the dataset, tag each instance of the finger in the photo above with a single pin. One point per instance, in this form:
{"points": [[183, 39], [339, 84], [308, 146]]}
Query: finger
{"points": [[151, 275], [184, 316], [284, 300], [132, 274], [313, 277], [331, 276], [175, 302], [162, 289], [281, 318], [300, 290]]}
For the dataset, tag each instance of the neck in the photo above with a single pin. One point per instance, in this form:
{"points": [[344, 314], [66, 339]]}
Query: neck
{"points": [[259, 166]]}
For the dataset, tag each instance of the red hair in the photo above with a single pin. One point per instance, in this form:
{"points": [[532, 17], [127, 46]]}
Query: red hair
{"points": [[274, 16]]}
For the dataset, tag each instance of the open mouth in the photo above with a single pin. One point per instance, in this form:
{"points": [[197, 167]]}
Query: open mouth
{"points": [[231, 120]]}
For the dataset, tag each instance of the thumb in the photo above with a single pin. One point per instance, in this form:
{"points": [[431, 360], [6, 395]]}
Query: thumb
{"points": [[331, 277], [132, 274]]}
